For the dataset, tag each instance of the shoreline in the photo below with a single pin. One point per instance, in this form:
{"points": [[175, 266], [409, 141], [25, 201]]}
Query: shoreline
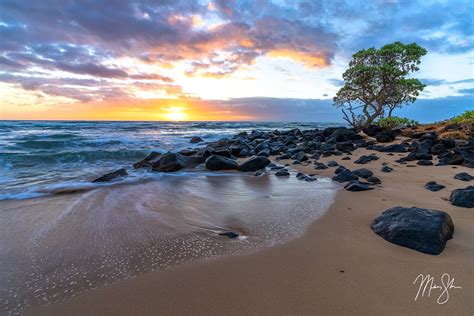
{"points": [[304, 276]]}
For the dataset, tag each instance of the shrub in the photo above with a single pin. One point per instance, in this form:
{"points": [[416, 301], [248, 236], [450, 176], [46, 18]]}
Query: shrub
{"points": [[466, 118], [395, 121]]}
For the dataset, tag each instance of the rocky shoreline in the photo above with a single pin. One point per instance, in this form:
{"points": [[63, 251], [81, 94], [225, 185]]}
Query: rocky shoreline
{"points": [[261, 152]]}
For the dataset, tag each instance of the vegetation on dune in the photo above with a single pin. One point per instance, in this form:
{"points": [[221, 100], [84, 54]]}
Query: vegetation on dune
{"points": [[376, 82], [465, 118], [395, 121]]}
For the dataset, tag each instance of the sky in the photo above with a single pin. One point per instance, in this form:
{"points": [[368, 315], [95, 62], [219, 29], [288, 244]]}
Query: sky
{"points": [[274, 60]]}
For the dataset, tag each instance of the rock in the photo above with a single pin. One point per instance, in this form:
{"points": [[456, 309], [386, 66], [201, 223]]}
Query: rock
{"points": [[372, 130], [424, 163], [385, 137], [344, 176], [423, 156], [356, 186], [463, 176], [386, 169], [374, 180], [187, 152], [340, 169], [220, 163], [264, 153], [346, 158], [254, 164], [258, 173], [282, 173], [343, 135], [231, 235], [332, 163], [319, 166], [423, 230], [433, 186], [363, 173], [147, 162], [345, 146], [393, 148], [196, 139], [438, 149], [222, 152], [300, 156], [171, 162], [463, 197], [112, 176], [365, 159]]}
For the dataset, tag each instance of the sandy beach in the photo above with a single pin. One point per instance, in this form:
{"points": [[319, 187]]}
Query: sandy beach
{"points": [[339, 266]]}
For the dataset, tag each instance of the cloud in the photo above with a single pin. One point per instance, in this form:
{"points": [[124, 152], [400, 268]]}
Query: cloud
{"points": [[89, 39]]}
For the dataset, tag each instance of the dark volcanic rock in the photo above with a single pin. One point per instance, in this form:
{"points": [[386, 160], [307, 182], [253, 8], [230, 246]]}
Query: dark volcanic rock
{"points": [[344, 176], [343, 135], [463, 176], [356, 186], [393, 148], [231, 235], [282, 173], [171, 162], [112, 175], [424, 163], [220, 163], [463, 197], [346, 158], [438, 149], [365, 159], [374, 180], [320, 166], [363, 173], [386, 169], [433, 186], [196, 140], [254, 164], [147, 162], [340, 169], [423, 230], [385, 137], [332, 163], [300, 156], [372, 130]]}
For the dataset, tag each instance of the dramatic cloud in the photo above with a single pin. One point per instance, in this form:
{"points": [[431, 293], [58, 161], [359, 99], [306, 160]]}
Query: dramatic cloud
{"points": [[142, 49]]}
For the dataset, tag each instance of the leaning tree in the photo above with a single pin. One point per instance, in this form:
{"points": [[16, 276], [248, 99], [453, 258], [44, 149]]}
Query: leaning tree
{"points": [[376, 82]]}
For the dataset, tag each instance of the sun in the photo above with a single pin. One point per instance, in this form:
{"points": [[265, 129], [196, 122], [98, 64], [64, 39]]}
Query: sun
{"points": [[175, 114]]}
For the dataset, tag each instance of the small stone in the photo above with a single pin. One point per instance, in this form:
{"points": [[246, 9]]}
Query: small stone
{"points": [[231, 235], [433, 186], [386, 169]]}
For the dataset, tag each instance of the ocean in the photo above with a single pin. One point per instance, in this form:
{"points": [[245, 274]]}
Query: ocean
{"points": [[40, 158]]}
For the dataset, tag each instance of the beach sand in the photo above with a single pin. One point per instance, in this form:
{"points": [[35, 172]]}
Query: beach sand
{"points": [[339, 266]]}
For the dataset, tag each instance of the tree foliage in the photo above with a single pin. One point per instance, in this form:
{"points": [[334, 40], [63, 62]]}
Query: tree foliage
{"points": [[376, 82]]}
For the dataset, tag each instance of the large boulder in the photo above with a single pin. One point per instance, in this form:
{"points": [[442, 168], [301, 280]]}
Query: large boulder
{"points": [[111, 176], [170, 162], [220, 163], [147, 161], [463, 197], [254, 164], [423, 230]]}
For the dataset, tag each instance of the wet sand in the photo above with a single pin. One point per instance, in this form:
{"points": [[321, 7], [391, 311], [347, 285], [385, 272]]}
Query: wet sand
{"points": [[339, 266], [56, 247]]}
